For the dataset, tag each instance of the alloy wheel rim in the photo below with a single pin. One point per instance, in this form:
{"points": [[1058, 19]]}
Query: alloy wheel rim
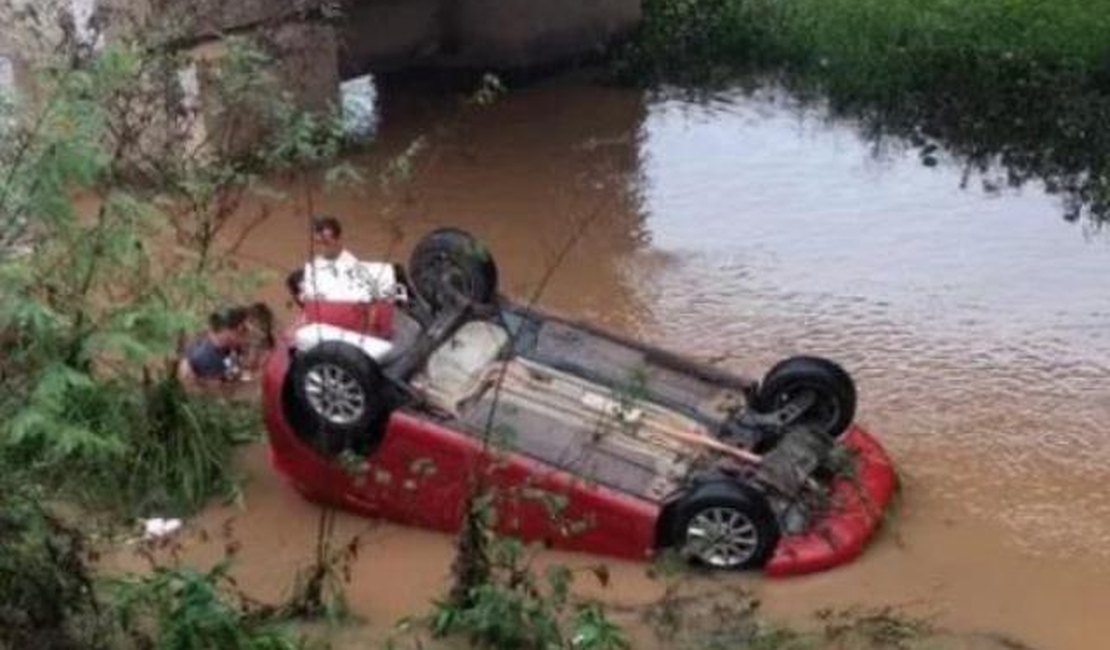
{"points": [[722, 537], [334, 394]]}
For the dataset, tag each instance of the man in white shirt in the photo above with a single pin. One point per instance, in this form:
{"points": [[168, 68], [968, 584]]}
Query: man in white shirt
{"points": [[337, 275], [334, 271]]}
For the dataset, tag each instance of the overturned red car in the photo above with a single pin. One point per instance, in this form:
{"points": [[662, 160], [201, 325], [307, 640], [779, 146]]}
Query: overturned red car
{"points": [[402, 398]]}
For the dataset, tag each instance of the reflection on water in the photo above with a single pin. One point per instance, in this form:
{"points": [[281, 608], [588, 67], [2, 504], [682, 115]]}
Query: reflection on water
{"points": [[358, 98], [744, 229]]}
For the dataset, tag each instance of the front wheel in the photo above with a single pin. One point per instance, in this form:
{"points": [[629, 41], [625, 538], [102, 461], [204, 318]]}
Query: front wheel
{"points": [[823, 386], [725, 525], [337, 398]]}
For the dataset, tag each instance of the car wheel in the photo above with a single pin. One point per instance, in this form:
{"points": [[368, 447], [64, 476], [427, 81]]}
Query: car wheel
{"points": [[449, 266], [337, 398], [833, 390], [725, 525]]}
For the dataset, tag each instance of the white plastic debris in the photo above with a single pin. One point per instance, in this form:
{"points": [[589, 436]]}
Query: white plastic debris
{"points": [[159, 527]]}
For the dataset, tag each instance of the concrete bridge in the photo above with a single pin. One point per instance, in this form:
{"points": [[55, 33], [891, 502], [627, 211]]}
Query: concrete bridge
{"points": [[480, 33], [319, 43], [349, 38]]}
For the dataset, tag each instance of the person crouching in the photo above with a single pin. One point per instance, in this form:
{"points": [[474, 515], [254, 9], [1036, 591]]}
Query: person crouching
{"points": [[214, 359]]}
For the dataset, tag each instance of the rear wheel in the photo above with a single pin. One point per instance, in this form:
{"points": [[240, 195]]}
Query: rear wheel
{"points": [[822, 384], [337, 398], [449, 268], [725, 525]]}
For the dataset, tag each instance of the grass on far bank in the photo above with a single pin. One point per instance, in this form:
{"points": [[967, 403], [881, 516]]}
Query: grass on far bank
{"points": [[1024, 84]]}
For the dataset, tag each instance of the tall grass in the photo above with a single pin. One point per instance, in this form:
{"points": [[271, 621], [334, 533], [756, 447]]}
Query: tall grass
{"points": [[868, 48], [133, 449]]}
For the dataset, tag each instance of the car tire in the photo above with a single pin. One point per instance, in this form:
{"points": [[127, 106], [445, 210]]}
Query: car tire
{"points": [[835, 391], [449, 265], [337, 399], [725, 525]]}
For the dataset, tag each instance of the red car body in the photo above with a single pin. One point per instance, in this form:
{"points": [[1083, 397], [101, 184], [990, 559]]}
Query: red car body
{"points": [[422, 472]]}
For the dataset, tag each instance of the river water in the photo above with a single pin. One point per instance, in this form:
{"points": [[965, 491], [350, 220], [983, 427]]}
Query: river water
{"points": [[740, 228]]}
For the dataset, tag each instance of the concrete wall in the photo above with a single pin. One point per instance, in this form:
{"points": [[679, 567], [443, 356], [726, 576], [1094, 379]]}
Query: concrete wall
{"points": [[27, 38], [380, 35], [305, 65], [315, 47], [199, 20]]}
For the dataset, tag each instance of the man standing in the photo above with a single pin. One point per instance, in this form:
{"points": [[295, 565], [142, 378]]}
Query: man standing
{"points": [[337, 288], [334, 273]]}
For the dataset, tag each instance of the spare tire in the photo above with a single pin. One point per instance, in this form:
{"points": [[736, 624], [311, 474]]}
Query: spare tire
{"points": [[449, 267], [832, 387], [337, 399]]}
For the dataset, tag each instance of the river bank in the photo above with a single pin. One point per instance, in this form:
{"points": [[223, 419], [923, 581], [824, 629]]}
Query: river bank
{"points": [[745, 224]]}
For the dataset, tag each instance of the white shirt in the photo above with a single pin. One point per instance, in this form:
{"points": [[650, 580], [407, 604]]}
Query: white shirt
{"points": [[347, 279]]}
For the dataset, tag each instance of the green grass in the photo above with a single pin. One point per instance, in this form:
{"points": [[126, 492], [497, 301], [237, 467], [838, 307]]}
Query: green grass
{"points": [[875, 45]]}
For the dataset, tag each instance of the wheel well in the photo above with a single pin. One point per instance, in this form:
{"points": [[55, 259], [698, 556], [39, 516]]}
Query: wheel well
{"points": [[664, 525]]}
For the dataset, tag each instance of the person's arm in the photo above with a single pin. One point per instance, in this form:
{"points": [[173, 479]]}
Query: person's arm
{"points": [[185, 372]]}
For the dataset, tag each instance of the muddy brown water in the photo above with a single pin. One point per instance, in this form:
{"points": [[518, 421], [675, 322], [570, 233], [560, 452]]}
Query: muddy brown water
{"points": [[742, 229]]}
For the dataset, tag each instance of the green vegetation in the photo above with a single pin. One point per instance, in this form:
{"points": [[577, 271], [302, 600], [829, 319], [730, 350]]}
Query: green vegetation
{"points": [[51, 599], [47, 599], [869, 48], [182, 609], [111, 214], [515, 607], [1024, 83], [111, 211]]}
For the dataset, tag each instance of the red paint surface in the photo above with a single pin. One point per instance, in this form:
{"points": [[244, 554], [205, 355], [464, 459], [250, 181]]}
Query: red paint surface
{"points": [[375, 318], [859, 503]]}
